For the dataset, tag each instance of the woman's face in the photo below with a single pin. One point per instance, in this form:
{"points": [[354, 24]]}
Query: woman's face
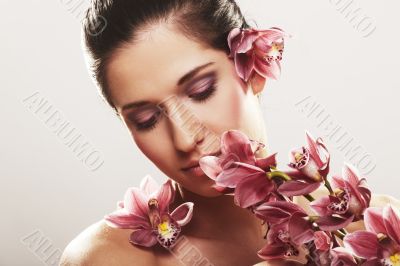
{"points": [[177, 97]]}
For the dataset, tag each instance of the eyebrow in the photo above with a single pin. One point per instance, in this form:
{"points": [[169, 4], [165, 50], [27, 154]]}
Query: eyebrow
{"points": [[185, 78]]}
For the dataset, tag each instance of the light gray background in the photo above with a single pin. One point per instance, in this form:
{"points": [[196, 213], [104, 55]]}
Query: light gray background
{"points": [[45, 188]]}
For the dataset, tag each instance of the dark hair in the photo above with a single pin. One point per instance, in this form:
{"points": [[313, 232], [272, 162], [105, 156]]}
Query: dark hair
{"points": [[111, 24]]}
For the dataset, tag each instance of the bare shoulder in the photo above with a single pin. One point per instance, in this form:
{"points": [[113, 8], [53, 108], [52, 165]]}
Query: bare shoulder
{"points": [[101, 245]]}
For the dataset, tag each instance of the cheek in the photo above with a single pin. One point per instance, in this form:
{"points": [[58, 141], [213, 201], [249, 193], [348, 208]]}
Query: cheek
{"points": [[156, 146], [225, 109]]}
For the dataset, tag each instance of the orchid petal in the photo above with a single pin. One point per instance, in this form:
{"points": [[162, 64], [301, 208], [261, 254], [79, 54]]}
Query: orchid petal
{"points": [[297, 188], [272, 214], [350, 174], [232, 35], [148, 185], [183, 213], [273, 34], [357, 202], [296, 175], [312, 146], [165, 196], [373, 220], [322, 241], [135, 202], [247, 42], [257, 82], [317, 147], [365, 195], [210, 166], [237, 143], [252, 190], [278, 211], [320, 206], [239, 171], [262, 67], [363, 244], [300, 230], [338, 182], [269, 252], [267, 162], [333, 223], [392, 223], [143, 237], [244, 64], [124, 220], [373, 262]]}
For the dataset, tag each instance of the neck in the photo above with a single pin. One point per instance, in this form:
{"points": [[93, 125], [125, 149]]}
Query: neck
{"points": [[219, 218]]}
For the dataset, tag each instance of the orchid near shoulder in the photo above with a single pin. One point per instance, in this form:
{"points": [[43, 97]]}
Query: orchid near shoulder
{"points": [[146, 211]]}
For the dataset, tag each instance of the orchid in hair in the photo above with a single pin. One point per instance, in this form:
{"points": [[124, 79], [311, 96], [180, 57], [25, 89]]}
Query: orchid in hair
{"points": [[146, 211], [257, 53]]}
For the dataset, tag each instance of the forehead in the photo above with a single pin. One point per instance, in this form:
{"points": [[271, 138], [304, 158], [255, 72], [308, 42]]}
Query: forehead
{"points": [[150, 69]]}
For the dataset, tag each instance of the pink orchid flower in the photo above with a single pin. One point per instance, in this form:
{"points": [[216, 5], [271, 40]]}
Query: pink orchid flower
{"points": [[286, 240], [313, 160], [289, 229], [380, 243], [311, 166], [351, 199], [257, 53], [238, 168], [146, 211]]}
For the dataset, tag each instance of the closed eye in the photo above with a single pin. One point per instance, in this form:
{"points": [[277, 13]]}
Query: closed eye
{"points": [[205, 94], [203, 89], [145, 124]]}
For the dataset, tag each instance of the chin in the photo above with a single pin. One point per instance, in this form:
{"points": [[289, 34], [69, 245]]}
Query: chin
{"points": [[203, 188], [209, 193]]}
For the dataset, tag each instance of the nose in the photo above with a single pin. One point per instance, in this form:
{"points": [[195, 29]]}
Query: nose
{"points": [[186, 128]]}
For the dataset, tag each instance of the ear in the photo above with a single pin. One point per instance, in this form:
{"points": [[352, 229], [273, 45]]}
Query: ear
{"points": [[257, 83]]}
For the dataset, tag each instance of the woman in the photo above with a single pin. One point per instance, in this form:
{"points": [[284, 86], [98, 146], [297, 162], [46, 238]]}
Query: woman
{"points": [[174, 54]]}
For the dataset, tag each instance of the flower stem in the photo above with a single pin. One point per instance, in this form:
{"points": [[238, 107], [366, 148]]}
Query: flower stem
{"points": [[278, 174], [328, 186], [309, 197], [339, 234]]}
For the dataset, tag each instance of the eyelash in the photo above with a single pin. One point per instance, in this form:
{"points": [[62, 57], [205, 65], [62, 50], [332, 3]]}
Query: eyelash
{"points": [[199, 97], [206, 94], [149, 124]]}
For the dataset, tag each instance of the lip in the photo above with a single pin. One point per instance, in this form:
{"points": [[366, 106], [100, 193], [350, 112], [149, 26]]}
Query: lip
{"points": [[193, 166]]}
